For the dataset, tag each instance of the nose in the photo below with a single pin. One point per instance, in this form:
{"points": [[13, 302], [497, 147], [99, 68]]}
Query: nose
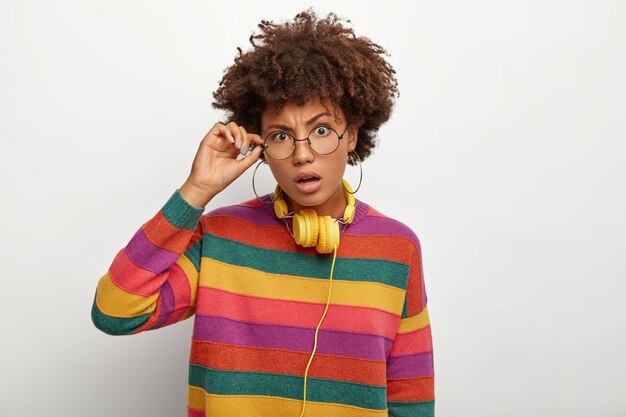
{"points": [[303, 152]]}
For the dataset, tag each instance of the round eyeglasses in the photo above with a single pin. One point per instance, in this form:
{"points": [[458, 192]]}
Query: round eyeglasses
{"points": [[322, 140]]}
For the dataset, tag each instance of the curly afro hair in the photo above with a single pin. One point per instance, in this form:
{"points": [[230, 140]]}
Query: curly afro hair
{"points": [[310, 57]]}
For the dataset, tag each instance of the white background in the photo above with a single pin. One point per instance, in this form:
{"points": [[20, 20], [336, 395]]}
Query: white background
{"points": [[505, 154]]}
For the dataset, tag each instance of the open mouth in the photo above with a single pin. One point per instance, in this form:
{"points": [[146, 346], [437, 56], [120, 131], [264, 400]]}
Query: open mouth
{"points": [[307, 180]]}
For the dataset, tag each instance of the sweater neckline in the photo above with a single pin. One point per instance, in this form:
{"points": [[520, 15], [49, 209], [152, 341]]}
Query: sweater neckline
{"points": [[360, 209]]}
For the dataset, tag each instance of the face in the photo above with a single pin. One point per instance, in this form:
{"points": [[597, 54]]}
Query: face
{"points": [[324, 194]]}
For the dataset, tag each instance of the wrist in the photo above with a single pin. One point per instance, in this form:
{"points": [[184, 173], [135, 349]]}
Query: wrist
{"points": [[195, 195]]}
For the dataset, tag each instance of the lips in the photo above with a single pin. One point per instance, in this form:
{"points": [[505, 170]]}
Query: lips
{"points": [[308, 176], [308, 182]]}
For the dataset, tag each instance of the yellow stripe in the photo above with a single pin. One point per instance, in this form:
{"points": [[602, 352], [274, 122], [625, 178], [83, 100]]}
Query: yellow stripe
{"points": [[191, 273], [247, 281], [414, 323], [113, 301], [263, 406]]}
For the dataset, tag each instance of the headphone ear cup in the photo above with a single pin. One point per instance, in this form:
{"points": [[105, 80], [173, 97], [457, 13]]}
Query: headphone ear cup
{"points": [[329, 234], [322, 241], [280, 208], [305, 228], [333, 234], [348, 214], [315, 227]]}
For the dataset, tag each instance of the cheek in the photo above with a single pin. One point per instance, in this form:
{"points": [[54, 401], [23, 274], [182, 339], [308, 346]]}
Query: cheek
{"points": [[277, 170], [338, 165]]}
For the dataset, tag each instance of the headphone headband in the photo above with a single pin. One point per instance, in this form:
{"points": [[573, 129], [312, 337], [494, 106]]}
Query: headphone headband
{"points": [[281, 210], [309, 229]]}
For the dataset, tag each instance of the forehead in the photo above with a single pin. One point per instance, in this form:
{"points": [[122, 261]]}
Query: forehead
{"points": [[290, 112]]}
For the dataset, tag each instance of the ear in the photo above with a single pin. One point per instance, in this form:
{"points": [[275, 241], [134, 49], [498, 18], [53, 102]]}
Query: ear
{"points": [[352, 138]]}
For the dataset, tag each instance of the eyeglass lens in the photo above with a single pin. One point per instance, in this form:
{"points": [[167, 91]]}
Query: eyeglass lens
{"points": [[322, 140]]}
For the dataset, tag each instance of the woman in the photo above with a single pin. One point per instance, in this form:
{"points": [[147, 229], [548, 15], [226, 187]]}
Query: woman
{"points": [[307, 301]]}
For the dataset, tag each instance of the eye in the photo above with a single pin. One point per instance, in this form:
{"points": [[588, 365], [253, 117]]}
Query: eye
{"points": [[321, 131], [279, 136]]}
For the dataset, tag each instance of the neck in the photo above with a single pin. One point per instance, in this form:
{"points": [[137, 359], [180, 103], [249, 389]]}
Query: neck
{"points": [[334, 206]]}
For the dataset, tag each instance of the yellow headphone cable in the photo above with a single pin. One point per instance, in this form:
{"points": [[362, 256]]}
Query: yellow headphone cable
{"points": [[332, 267]]}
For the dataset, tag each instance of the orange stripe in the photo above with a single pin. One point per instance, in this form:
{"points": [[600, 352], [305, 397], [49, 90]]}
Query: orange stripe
{"points": [[414, 286], [412, 342], [420, 388], [165, 235], [392, 248], [152, 319], [295, 313], [247, 358]]}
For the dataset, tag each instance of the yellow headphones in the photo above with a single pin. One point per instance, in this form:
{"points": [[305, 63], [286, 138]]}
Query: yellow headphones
{"points": [[309, 229]]}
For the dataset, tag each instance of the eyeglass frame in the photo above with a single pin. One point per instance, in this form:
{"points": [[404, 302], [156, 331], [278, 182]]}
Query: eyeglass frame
{"points": [[294, 140]]}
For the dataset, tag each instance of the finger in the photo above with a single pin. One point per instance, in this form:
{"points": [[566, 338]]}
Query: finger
{"points": [[236, 133], [221, 131], [247, 161], [245, 142], [256, 138], [253, 141]]}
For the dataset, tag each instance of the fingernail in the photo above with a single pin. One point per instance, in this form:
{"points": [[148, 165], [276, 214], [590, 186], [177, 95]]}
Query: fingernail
{"points": [[240, 143]]}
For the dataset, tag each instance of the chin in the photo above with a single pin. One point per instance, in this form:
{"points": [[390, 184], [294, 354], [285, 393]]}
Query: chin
{"points": [[308, 200]]}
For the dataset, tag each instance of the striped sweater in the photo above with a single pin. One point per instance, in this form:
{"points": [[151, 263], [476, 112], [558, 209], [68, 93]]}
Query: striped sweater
{"points": [[257, 299]]}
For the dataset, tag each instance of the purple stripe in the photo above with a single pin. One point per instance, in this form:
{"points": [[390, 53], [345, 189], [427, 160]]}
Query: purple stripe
{"points": [[222, 330], [147, 255], [264, 215], [386, 226], [255, 215], [167, 304], [419, 364]]}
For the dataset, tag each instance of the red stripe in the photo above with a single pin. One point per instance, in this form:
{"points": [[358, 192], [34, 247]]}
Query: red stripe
{"points": [[247, 358], [254, 202], [413, 342], [131, 278], [295, 313], [392, 248], [192, 412], [373, 212], [411, 389], [165, 235]]}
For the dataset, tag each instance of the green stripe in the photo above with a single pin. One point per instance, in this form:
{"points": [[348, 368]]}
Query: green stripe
{"points": [[193, 254], [215, 381], [405, 308], [421, 409], [312, 266], [117, 326], [180, 213]]}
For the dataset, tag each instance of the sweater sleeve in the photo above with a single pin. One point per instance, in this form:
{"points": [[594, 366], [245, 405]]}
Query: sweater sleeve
{"points": [[152, 281], [410, 369]]}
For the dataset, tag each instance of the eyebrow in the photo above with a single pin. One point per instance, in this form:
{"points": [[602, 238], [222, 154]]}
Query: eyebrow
{"points": [[310, 121]]}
